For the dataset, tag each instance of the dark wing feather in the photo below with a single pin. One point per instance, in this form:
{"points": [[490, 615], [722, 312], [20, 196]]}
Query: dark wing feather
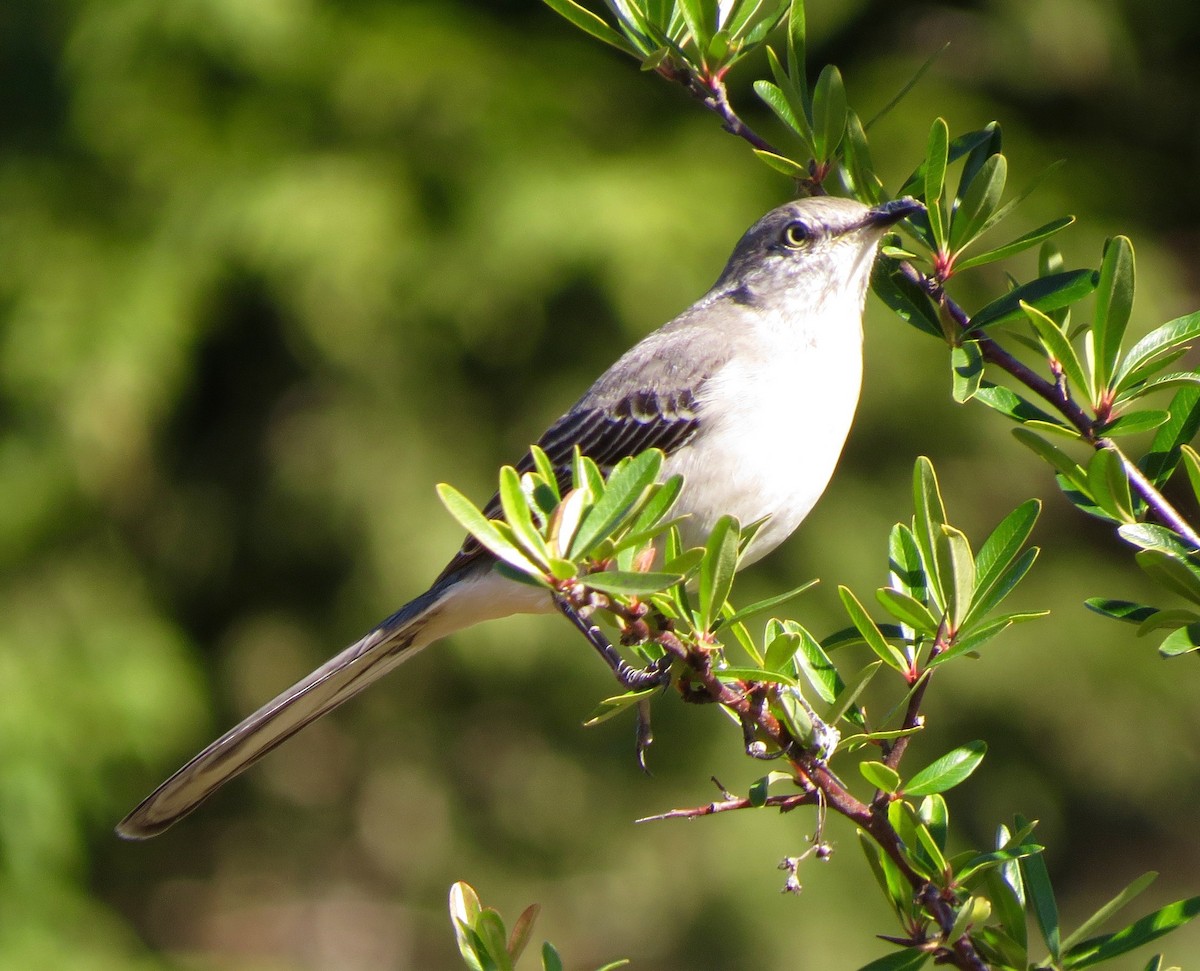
{"points": [[640, 421]]}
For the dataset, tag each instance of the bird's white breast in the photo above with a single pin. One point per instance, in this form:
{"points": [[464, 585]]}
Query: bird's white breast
{"points": [[775, 419]]}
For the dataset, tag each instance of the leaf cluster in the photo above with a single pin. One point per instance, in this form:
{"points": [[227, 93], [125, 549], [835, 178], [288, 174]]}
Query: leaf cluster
{"points": [[486, 945]]}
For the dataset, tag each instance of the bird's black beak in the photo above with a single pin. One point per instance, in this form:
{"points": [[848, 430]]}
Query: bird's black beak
{"points": [[889, 213]]}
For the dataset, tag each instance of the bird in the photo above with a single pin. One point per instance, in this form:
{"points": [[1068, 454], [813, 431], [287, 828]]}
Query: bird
{"points": [[749, 393]]}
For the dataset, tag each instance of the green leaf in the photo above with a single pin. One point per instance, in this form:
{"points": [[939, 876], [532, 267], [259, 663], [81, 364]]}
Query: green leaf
{"points": [[881, 776], [1109, 486], [630, 583], [614, 965], [849, 695], [929, 515], [1045, 293], [908, 610], [1178, 617], [976, 637], [908, 86], [550, 959], [1058, 347], [905, 570], [590, 24], [1071, 470], [1133, 422], [974, 912], [1159, 341], [514, 503], [761, 789], [905, 297], [828, 113], [910, 959], [870, 632], [893, 884], [656, 507], [904, 821], [764, 605], [484, 530], [625, 486], [793, 170], [717, 569], [796, 40], [794, 88], [864, 183], [545, 468], [814, 663], [1010, 910], [733, 673], [988, 146], [1184, 640], [936, 156], [1191, 464], [1041, 898], [1163, 382], [1119, 902], [786, 109], [1011, 405], [1126, 610], [781, 649], [1149, 928], [695, 16], [615, 705], [490, 929], [1163, 458], [995, 585], [979, 202], [1114, 302], [1018, 245], [795, 716], [956, 569], [966, 366], [935, 816], [464, 911], [948, 771], [988, 861], [1006, 540]]}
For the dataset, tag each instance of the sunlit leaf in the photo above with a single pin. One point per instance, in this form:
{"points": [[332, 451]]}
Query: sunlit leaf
{"points": [[881, 776], [966, 368], [936, 157], [1117, 903], [947, 772], [630, 583], [1149, 928], [1046, 293], [479, 526], [1018, 245], [1114, 302], [870, 632], [980, 200], [590, 24], [828, 112], [717, 569], [1041, 899]]}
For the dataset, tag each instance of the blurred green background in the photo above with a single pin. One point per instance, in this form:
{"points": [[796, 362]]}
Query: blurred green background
{"points": [[269, 270]]}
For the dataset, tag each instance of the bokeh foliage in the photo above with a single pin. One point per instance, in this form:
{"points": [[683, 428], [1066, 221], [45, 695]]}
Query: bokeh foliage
{"points": [[270, 270]]}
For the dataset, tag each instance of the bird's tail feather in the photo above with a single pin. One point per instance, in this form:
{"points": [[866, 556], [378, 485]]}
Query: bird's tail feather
{"points": [[398, 638]]}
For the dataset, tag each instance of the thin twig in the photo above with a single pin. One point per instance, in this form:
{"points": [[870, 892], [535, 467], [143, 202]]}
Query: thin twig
{"points": [[782, 803]]}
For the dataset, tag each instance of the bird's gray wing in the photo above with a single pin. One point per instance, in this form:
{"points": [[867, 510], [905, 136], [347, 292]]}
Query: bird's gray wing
{"points": [[648, 399]]}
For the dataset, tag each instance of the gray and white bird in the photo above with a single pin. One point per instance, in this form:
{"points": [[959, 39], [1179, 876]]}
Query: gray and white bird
{"points": [[750, 393]]}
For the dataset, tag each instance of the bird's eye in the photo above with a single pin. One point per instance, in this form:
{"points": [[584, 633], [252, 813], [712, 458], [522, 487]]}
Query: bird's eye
{"points": [[796, 235]]}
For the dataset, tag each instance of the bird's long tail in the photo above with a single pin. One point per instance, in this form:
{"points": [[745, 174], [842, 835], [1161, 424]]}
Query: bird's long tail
{"points": [[448, 606]]}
